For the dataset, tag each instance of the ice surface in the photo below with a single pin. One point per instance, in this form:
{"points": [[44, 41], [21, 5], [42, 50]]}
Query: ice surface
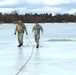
{"points": [[52, 57]]}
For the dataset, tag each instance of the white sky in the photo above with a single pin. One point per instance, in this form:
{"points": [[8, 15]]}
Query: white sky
{"points": [[38, 6]]}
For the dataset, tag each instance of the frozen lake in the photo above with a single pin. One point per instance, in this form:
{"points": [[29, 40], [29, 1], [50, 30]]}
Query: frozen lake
{"points": [[56, 55]]}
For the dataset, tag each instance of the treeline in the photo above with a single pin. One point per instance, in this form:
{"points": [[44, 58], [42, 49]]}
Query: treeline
{"points": [[41, 18]]}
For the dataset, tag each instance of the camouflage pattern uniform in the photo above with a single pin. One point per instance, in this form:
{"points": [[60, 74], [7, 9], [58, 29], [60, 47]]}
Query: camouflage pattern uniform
{"points": [[36, 30], [20, 27]]}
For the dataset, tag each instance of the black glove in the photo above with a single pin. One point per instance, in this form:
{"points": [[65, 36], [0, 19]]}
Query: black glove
{"points": [[15, 33], [26, 33]]}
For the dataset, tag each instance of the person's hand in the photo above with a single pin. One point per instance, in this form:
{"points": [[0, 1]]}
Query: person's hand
{"points": [[26, 33], [15, 33]]}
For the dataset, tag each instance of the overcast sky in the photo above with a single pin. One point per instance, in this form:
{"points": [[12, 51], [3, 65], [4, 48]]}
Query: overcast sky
{"points": [[38, 6]]}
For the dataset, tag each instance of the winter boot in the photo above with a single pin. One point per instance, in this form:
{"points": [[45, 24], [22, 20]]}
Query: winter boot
{"points": [[37, 46]]}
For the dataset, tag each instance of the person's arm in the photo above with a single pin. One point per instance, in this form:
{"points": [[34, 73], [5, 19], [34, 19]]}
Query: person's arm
{"points": [[33, 28], [42, 29], [25, 30], [15, 30]]}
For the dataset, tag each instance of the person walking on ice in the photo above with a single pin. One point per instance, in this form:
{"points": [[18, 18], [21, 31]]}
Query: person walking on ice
{"points": [[20, 28], [37, 28]]}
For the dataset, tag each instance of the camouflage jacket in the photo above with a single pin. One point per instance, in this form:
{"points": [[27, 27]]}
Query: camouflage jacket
{"points": [[37, 29], [20, 28]]}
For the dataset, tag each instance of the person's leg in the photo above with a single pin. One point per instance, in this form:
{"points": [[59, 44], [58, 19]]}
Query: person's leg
{"points": [[37, 37], [20, 39], [36, 40]]}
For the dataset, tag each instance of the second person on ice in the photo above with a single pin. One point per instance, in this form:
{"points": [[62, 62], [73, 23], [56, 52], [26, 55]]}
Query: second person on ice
{"points": [[36, 28]]}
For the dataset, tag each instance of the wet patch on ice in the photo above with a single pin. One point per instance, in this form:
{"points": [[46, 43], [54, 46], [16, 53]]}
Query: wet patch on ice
{"points": [[61, 40]]}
